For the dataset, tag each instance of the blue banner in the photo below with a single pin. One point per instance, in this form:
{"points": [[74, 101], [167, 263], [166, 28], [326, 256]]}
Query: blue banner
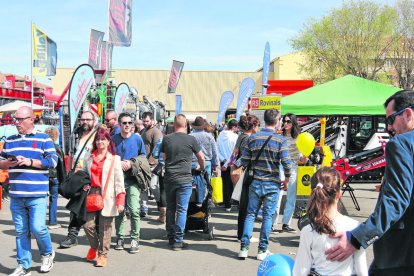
{"points": [[178, 104], [246, 90], [225, 102], [121, 96], [266, 66], [80, 84]]}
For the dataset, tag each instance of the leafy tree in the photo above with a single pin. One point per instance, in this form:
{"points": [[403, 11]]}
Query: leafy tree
{"points": [[353, 39]]}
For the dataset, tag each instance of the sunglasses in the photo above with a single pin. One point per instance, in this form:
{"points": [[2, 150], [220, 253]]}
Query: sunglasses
{"points": [[107, 120], [287, 121], [127, 123], [390, 119]]}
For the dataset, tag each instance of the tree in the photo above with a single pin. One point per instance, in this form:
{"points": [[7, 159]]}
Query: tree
{"points": [[353, 39], [402, 51]]}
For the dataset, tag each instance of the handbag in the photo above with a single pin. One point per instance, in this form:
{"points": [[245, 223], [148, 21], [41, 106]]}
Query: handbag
{"points": [[235, 174], [238, 188], [95, 201], [217, 186], [158, 170]]}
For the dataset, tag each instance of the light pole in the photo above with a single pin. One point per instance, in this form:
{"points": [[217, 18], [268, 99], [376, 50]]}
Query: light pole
{"points": [[320, 70]]}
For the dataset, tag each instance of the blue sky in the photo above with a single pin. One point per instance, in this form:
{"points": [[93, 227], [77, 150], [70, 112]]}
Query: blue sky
{"points": [[228, 35]]}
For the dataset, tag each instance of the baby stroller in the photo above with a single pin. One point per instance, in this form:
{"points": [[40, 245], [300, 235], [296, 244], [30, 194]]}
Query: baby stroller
{"points": [[198, 217]]}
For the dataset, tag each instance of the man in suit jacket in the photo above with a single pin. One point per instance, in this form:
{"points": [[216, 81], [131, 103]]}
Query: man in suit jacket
{"points": [[391, 225]]}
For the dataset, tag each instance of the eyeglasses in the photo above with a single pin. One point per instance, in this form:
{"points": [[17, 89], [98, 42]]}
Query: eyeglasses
{"points": [[19, 120], [390, 119], [127, 123], [107, 120], [287, 121], [85, 120]]}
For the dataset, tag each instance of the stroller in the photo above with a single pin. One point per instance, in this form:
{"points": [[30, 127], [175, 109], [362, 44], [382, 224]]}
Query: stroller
{"points": [[198, 217]]}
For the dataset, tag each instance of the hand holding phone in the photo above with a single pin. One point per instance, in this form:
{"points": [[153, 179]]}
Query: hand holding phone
{"points": [[8, 156]]}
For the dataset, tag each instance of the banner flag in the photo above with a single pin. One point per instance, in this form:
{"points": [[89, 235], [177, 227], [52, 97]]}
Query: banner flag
{"points": [[95, 48], [121, 95], [246, 90], [176, 69], [120, 22], [81, 82], [225, 102], [104, 55], [109, 53], [44, 54], [178, 104], [266, 67]]}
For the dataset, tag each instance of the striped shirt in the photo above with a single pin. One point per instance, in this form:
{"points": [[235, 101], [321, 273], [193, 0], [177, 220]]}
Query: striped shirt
{"points": [[274, 153], [29, 181]]}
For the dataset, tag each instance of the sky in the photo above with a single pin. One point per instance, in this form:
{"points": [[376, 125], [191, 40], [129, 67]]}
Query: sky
{"points": [[209, 35]]}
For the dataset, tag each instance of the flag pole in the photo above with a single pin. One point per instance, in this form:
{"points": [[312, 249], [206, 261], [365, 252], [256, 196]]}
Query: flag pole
{"points": [[31, 64]]}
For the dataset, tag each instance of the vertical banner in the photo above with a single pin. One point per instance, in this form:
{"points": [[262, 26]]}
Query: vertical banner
{"points": [[109, 53], [246, 90], [80, 84], [176, 69], [121, 96], [178, 104], [104, 56], [120, 22], [44, 54], [95, 47], [266, 66], [225, 102]]}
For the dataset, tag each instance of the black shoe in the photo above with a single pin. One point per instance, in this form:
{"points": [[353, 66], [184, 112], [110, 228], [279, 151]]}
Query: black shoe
{"points": [[119, 244], [176, 246], [69, 242], [286, 228]]}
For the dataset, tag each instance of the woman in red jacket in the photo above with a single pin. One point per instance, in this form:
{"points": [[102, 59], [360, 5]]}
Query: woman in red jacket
{"points": [[107, 178]]}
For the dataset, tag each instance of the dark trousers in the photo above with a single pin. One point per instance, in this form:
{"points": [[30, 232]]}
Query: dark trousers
{"points": [[243, 203], [163, 197], [74, 227], [400, 271], [227, 187]]}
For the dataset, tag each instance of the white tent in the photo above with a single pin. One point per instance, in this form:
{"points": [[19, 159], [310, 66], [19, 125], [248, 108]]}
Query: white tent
{"points": [[13, 106]]}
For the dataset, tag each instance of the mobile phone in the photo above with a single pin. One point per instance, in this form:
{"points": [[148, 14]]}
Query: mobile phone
{"points": [[8, 156]]}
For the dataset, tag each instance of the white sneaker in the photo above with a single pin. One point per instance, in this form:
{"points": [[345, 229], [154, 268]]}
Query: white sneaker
{"points": [[243, 253], [20, 271], [261, 255], [47, 262]]}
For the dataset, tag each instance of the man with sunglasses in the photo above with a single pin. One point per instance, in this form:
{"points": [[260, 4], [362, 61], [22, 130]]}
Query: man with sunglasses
{"points": [[128, 146], [87, 124], [112, 123], [391, 225], [32, 154]]}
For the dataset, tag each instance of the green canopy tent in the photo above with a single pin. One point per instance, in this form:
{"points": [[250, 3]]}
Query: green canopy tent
{"points": [[348, 95]]}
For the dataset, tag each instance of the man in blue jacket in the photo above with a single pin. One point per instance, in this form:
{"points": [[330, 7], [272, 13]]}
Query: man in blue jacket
{"points": [[391, 225]]}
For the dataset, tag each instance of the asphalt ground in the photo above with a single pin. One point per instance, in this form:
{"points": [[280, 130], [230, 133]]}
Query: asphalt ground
{"points": [[203, 257]]}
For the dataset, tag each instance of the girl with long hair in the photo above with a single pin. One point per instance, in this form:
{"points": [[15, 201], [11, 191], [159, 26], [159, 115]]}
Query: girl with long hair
{"points": [[325, 220]]}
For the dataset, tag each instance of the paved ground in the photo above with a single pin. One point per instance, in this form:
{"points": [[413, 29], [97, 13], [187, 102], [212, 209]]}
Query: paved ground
{"points": [[203, 257]]}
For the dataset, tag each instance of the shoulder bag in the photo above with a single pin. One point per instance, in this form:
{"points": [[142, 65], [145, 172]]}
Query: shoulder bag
{"points": [[94, 200]]}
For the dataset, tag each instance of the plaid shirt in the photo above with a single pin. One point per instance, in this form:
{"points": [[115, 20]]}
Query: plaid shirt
{"points": [[274, 153]]}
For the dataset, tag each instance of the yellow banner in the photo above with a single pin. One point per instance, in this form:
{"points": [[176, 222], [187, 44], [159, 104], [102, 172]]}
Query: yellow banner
{"points": [[40, 56], [266, 102]]}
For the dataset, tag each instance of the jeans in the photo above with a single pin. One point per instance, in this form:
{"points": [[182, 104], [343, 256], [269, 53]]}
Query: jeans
{"points": [[290, 198], [178, 197], [132, 203], [266, 193], [29, 216], [53, 200]]}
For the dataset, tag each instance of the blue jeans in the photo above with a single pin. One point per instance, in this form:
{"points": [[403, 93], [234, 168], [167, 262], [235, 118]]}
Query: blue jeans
{"points": [[53, 200], [199, 182], [266, 193], [290, 198], [29, 216], [178, 197]]}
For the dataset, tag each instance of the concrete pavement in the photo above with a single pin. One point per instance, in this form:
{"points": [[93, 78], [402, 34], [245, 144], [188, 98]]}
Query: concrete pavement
{"points": [[203, 257]]}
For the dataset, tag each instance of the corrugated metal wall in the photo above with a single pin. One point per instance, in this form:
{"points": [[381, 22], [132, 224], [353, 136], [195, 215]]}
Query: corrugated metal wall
{"points": [[201, 90]]}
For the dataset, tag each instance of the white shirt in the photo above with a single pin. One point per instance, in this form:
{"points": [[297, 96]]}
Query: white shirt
{"points": [[225, 145], [312, 247]]}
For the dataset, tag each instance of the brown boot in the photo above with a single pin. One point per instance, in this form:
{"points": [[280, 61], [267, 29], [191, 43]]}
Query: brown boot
{"points": [[163, 214]]}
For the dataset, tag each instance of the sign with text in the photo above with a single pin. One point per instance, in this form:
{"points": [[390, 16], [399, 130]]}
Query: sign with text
{"points": [[259, 104]]}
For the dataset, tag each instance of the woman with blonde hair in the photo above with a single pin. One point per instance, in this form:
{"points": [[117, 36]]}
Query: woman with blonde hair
{"points": [[107, 179]]}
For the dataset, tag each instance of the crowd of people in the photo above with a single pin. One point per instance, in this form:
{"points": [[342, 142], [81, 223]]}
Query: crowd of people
{"points": [[119, 165]]}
